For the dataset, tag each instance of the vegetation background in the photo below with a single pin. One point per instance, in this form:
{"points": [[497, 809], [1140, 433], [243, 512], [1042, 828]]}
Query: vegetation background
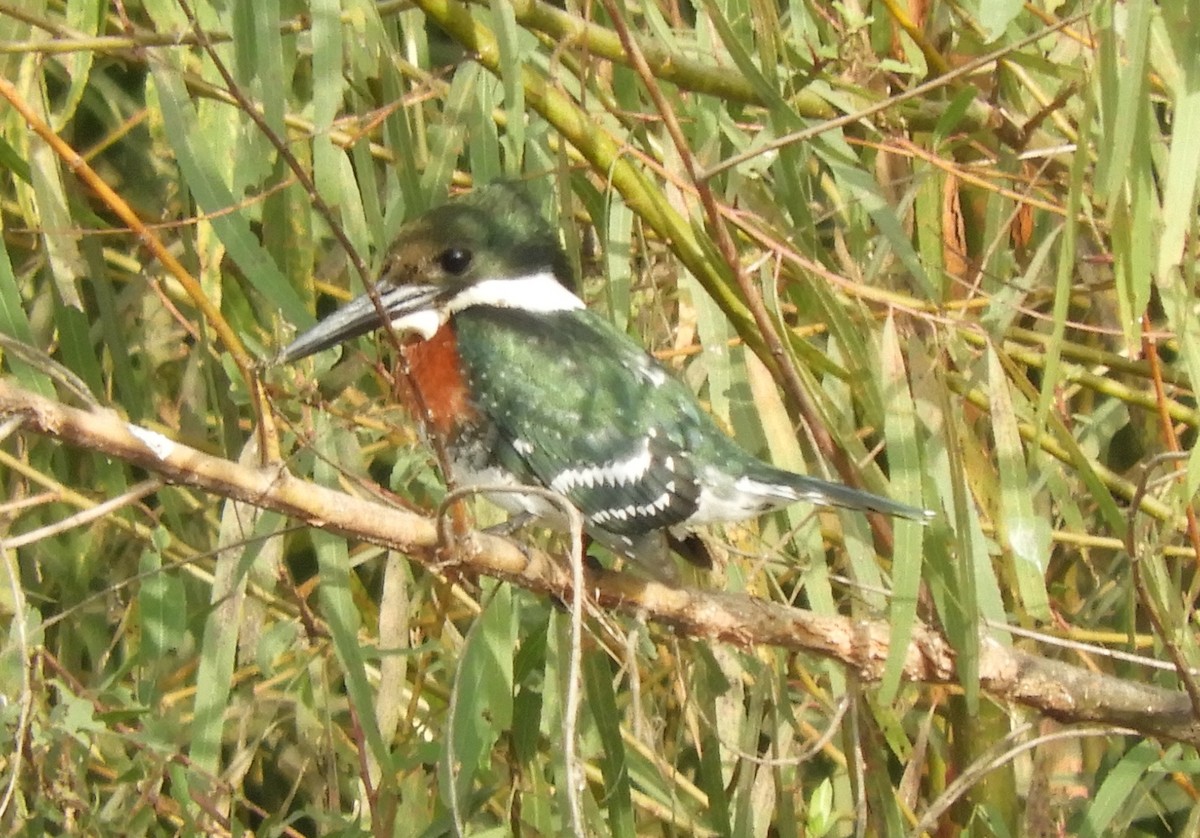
{"points": [[944, 250]]}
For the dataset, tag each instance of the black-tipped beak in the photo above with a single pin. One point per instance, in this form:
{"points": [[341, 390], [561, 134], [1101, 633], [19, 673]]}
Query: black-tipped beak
{"points": [[360, 316]]}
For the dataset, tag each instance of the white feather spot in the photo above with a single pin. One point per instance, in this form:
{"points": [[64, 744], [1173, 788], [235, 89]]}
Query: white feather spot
{"points": [[652, 371], [615, 473], [635, 510]]}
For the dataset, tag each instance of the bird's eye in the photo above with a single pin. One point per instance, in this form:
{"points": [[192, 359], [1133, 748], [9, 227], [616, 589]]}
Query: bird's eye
{"points": [[455, 260]]}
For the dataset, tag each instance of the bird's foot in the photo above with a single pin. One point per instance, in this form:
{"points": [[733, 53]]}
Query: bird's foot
{"points": [[506, 528]]}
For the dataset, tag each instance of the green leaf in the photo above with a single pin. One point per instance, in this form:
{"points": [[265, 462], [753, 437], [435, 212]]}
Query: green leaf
{"points": [[617, 250], [161, 598], [242, 536], [1110, 811], [994, 17], [483, 700], [1026, 535], [340, 614], [820, 815], [905, 461], [1128, 108], [509, 39], [203, 178], [15, 324], [602, 704]]}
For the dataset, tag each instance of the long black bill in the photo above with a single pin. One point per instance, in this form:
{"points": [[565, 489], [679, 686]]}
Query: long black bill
{"points": [[358, 317]]}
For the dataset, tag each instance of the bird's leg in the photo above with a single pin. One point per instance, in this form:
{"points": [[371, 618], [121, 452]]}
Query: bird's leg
{"points": [[454, 529], [506, 528]]}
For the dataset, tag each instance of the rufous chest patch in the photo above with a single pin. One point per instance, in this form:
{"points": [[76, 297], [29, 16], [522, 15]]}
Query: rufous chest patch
{"points": [[437, 374]]}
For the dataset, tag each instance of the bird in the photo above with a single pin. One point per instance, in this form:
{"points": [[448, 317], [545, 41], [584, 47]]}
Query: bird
{"points": [[522, 385]]}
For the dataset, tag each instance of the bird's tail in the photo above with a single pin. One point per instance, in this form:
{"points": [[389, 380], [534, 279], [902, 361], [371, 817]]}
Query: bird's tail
{"points": [[789, 487]]}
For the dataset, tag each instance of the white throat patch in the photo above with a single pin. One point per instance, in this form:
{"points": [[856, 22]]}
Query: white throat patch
{"points": [[539, 292], [425, 323]]}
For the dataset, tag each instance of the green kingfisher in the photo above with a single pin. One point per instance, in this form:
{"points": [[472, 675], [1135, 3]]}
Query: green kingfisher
{"points": [[524, 386]]}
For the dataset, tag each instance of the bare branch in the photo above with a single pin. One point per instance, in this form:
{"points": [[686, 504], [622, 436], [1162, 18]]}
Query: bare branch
{"points": [[1067, 693]]}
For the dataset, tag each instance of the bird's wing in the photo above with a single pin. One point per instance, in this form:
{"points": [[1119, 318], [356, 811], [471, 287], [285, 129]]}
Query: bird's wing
{"points": [[583, 410]]}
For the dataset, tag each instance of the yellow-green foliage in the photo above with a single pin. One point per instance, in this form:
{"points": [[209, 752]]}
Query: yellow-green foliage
{"points": [[948, 257]]}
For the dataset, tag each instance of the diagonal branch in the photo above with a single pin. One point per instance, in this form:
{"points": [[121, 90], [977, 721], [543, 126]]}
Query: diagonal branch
{"points": [[1062, 691]]}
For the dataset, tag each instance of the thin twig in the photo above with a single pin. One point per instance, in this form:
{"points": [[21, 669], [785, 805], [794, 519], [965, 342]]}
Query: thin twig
{"points": [[991, 760], [1167, 429], [915, 93], [86, 516], [1182, 668]]}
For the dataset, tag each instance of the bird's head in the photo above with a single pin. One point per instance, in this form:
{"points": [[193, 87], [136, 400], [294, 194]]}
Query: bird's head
{"points": [[491, 246]]}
